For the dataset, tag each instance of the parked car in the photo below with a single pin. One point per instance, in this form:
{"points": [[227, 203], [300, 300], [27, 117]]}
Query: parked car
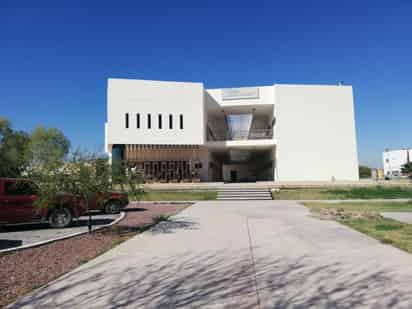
{"points": [[17, 199]]}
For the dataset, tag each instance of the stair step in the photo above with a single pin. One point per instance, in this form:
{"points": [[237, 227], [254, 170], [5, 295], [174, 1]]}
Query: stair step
{"points": [[244, 198], [244, 194], [248, 190], [243, 190]]}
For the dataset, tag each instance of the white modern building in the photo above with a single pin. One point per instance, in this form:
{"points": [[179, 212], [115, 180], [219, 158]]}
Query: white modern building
{"points": [[393, 160], [180, 131]]}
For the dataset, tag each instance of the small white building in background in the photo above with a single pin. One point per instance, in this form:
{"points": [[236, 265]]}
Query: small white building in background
{"points": [[175, 130], [393, 160]]}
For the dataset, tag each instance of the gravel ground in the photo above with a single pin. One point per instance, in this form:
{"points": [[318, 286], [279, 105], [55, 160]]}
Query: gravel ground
{"points": [[24, 234], [25, 270]]}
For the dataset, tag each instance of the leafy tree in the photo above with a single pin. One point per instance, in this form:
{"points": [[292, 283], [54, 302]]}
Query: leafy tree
{"points": [[365, 171], [407, 169], [14, 150], [48, 145], [87, 177], [50, 183], [5, 129], [127, 179], [134, 181], [81, 179]]}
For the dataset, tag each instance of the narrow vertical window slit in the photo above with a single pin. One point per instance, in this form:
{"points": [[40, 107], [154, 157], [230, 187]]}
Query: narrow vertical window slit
{"points": [[127, 120]]}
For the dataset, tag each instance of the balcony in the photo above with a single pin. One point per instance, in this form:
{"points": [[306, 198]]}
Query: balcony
{"points": [[239, 135]]}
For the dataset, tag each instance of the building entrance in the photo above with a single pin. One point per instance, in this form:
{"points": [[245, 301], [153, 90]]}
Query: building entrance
{"points": [[233, 176]]}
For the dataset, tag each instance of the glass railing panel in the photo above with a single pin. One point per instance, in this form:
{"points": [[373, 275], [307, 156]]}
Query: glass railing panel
{"points": [[234, 135]]}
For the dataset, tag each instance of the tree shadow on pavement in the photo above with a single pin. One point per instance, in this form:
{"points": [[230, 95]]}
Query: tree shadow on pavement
{"points": [[97, 219], [17, 235], [133, 209], [9, 243], [220, 279], [172, 224]]}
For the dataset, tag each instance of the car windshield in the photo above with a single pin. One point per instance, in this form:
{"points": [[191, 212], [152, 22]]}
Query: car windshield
{"points": [[21, 188]]}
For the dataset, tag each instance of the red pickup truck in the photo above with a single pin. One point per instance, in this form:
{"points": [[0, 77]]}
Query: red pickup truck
{"points": [[17, 197]]}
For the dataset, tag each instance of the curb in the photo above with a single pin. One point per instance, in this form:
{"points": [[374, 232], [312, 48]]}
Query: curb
{"points": [[44, 242]]}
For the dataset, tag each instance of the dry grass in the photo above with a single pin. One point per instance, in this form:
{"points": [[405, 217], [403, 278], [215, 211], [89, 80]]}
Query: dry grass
{"points": [[177, 196], [386, 230], [364, 206], [343, 193]]}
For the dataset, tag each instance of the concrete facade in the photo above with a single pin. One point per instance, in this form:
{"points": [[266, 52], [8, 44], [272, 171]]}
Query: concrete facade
{"points": [[154, 98], [268, 133], [315, 133]]}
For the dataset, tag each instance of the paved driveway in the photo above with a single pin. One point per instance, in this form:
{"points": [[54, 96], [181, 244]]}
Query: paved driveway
{"points": [[25, 234], [268, 254], [405, 217]]}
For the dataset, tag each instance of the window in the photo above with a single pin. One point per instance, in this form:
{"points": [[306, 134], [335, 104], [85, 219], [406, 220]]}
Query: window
{"points": [[149, 121], [160, 121], [127, 120], [181, 121], [239, 124], [170, 121], [20, 188], [138, 121]]}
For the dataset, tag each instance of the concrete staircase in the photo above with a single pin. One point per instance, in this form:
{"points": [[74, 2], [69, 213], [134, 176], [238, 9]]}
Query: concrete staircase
{"points": [[231, 193]]}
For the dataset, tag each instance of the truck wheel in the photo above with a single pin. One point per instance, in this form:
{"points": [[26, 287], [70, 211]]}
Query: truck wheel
{"points": [[112, 207], [60, 217]]}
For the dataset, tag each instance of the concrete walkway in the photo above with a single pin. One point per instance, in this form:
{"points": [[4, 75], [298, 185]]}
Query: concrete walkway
{"points": [[405, 217], [261, 254]]}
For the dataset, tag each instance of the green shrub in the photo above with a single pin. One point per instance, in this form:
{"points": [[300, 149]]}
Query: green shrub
{"points": [[388, 226], [372, 192]]}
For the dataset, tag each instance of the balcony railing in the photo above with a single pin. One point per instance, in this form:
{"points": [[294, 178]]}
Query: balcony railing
{"points": [[214, 135]]}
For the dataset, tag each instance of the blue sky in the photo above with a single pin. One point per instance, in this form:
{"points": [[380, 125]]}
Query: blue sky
{"points": [[56, 56]]}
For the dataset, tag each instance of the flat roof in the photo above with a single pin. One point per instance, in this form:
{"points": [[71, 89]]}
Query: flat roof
{"points": [[190, 82]]}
